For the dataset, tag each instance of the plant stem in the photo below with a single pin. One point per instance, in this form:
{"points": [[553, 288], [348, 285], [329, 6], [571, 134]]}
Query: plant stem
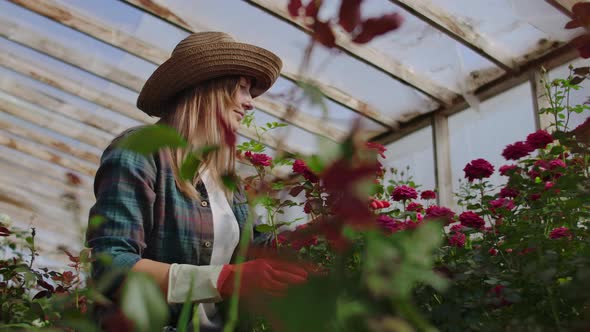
{"points": [[33, 233], [234, 300], [553, 309]]}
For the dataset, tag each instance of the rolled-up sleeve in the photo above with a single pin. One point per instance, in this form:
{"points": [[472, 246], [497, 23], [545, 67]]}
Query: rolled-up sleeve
{"points": [[124, 190]]}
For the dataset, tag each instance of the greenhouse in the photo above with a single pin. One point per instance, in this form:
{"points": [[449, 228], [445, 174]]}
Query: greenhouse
{"points": [[295, 165]]}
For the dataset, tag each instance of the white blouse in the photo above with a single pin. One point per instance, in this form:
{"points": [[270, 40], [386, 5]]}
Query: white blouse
{"points": [[226, 236]]}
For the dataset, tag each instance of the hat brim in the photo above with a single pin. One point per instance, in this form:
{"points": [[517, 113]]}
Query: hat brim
{"points": [[206, 62]]}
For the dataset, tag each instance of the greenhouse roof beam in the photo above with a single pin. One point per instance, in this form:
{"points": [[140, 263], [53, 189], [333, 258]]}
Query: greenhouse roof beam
{"points": [[549, 61], [460, 31], [28, 68], [96, 29], [370, 56]]}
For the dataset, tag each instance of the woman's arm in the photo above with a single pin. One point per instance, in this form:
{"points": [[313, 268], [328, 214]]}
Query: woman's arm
{"points": [[157, 270]]}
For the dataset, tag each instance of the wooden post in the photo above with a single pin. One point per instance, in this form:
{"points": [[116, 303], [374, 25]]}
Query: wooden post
{"points": [[540, 101], [442, 160]]}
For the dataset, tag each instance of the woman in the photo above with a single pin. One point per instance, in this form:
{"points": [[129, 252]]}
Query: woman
{"points": [[182, 232]]}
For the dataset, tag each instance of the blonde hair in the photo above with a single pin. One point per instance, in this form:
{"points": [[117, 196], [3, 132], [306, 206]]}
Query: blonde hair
{"points": [[201, 116]]}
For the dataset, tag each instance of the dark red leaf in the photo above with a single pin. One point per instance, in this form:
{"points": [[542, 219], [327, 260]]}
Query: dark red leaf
{"points": [[312, 8], [73, 258], [374, 27], [573, 24], [350, 14], [577, 80], [323, 34], [293, 7], [46, 285], [581, 12], [4, 231], [582, 43], [582, 71], [73, 179], [295, 191], [41, 294]]}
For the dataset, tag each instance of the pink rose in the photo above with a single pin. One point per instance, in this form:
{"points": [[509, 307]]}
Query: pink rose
{"points": [[560, 232], [419, 216]]}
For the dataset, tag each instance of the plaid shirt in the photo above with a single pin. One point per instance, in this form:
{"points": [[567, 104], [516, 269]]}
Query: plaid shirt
{"points": [[147, 216]]}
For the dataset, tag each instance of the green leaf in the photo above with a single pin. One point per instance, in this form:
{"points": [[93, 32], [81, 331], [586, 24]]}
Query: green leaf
{"points": [[230, 181], [185, 312], [277, 185], [248, 118], [315, 164], [264, 228], [149, 139], [96, 221], [143, 303], [190, 166]]}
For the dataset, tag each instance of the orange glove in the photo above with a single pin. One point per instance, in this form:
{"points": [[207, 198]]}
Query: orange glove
{"points": [[260, 276]]}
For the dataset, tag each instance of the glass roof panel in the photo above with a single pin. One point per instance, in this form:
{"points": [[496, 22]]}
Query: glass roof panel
{"points": [[517, 26], [336, 69]]}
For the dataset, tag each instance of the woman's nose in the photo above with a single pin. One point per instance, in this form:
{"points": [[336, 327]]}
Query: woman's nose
{"points": [[248, 105]]}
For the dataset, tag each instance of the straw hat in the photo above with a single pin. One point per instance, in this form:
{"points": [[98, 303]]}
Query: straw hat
{"points": [[203, 56]]}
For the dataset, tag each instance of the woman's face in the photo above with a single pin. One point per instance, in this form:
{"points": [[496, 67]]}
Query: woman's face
{"points": [[243, 101]]}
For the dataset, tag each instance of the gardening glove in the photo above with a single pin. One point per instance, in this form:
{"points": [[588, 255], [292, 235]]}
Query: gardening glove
{"points": [[260, 276]]}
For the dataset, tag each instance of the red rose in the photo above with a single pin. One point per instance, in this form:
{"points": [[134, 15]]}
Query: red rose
{"points": [[300, 167], [478, 169], [556, 163], [501, 203], [414, 206], [507, 168], [560, 232], [258, 159], [493, 252], [534, 197], [403, 193], [456, 228], [539, 139], [517, 150], [471, 219], [509, 192], [444, 213], [299, 243], [428, 194], [457, 240]]}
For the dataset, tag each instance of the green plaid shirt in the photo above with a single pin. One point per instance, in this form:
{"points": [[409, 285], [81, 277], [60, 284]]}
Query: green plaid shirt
{"points": [[147, 216]]}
